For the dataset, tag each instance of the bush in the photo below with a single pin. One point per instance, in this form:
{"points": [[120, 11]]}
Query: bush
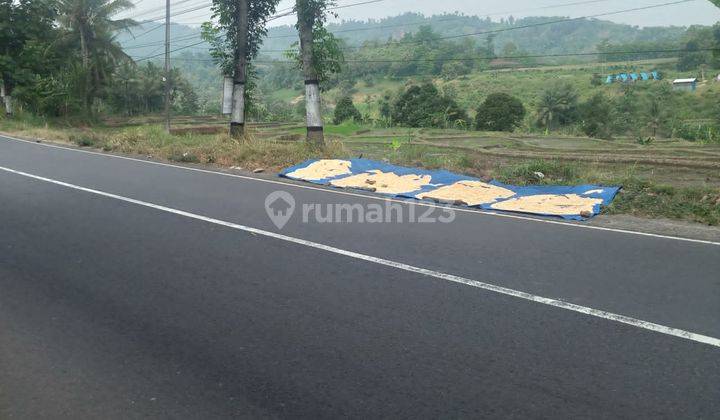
{"points": [[705, 133], [499, 112], [596, 116], [345, 110], [424, 106]]}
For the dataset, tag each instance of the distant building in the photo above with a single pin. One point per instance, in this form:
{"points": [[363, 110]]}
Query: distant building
{"points": [[685, 84]]}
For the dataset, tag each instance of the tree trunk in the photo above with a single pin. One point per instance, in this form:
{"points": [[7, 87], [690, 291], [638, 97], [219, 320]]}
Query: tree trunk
{"points": [[237, 115], [313, 116], [86, 67], [7, 98]]}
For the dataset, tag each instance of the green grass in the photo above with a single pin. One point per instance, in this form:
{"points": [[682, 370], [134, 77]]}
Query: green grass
{"points": [[553, 172], [643, 194], [641, 198], [345, 129]]}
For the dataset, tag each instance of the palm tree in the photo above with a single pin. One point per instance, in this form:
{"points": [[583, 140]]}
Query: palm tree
{"points": [[90, 23], [557, 105]]}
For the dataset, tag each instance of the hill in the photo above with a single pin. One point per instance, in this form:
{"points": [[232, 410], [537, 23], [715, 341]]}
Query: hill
{"points": [[576, 36]]}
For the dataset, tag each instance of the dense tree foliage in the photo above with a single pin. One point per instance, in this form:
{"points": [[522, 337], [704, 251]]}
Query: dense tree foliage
{"points": [[499, 112], [345, 110], [141, 90], [424, 106], [26, 31], [61, 57], [558, 106], [89, 28], [596, 116]]}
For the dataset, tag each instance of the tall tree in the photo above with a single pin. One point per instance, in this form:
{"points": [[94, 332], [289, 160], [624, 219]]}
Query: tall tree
{"points": [[234, 41], [26, 28], [557, 106], [90, 24], [320, 56]]}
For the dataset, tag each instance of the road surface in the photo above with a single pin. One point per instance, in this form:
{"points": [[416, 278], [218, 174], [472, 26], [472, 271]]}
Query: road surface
{"points": [[134, 289]]}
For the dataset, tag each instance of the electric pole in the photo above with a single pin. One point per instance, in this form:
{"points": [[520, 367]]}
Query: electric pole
{"points": [[167, 66]]}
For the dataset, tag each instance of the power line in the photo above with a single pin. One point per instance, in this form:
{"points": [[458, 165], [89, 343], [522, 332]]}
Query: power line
{"points": [[192, 9], [509, 57], [171, 51], [156, 9], [635, 9], [209, 4], [512, 28], [152, 44], [293, 11], [149, 30], [456, 18], [484, 33]]}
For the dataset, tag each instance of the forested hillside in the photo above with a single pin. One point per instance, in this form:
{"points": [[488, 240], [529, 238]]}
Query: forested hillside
{"points": [[578, 35], [367, 44]]}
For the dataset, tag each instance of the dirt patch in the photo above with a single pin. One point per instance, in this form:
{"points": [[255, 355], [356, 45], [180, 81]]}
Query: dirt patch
{"points": [[678, 228], [198, 130]]}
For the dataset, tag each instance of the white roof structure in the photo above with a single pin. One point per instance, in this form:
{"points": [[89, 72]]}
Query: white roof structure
{"points": [[678, 81]]}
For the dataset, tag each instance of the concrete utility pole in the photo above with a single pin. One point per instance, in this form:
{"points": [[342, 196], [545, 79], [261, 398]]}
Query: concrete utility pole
{"points": [[237, 115], [167, 66]]}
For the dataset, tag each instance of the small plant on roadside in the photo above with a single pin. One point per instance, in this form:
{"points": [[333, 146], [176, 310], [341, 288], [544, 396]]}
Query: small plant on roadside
{"points": [[83, 140], [184, 157], [644, 141], [396, 144]]}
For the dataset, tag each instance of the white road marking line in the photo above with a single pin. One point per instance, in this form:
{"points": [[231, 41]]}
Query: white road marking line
{"points": [[401, 266], [373, 197]]}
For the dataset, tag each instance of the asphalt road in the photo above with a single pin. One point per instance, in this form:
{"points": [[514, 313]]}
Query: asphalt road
{"points": [[118, 309]]}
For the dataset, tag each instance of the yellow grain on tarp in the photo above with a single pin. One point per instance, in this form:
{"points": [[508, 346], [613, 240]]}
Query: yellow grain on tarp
{"points": [[567, 204], [325, 168], [383, 182], [470, 193]]}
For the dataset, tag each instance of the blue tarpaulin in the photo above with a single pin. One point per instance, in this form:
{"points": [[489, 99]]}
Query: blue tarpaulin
{"points": [[596, 194]]}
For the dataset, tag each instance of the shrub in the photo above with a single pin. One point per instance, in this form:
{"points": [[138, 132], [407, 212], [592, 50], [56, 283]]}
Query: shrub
{"points": [[596, 116], [499, 112], [424, 106], [345, 110], [705, 133]]}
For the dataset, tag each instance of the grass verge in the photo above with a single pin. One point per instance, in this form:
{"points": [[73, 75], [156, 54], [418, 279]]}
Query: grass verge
{"points": [[640, 197]]}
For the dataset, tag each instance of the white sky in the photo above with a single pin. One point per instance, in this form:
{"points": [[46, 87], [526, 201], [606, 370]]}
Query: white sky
{"points": [[691, 13]]}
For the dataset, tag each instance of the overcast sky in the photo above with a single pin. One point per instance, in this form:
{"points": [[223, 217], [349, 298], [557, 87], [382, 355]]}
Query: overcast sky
{"points": [[693, 12]]}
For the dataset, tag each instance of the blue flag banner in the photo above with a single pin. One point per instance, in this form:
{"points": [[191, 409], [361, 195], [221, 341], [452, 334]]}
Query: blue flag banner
{"points": [[572, 202]]}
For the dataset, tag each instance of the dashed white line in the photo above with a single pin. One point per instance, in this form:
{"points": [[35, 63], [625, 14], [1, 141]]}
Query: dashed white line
{"points": [[371, 197], [699, 338]]}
